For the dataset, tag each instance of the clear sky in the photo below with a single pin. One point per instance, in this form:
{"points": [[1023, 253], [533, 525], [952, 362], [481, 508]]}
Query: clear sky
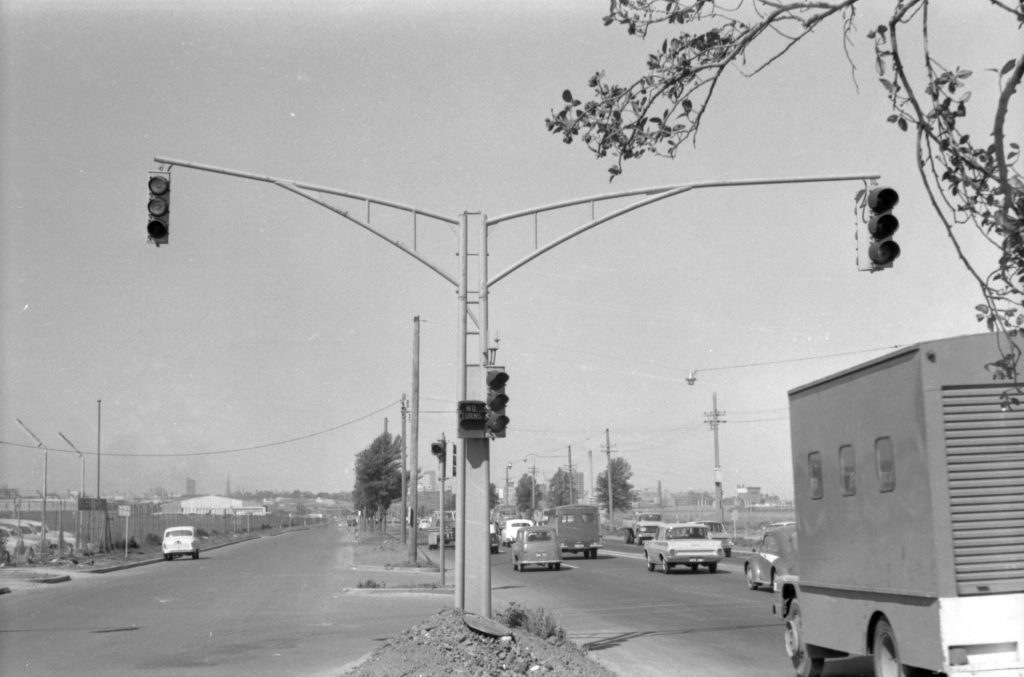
{"points": [[271, 340]]}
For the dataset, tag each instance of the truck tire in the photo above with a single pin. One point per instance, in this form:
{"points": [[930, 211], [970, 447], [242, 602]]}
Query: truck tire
{"points": [[805, 664], [885, 651], [751, 580], [650, 564], [629, 536]]}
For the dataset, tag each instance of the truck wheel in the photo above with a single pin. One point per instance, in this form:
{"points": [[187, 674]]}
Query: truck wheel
{"points": [[650, 564], [713, 567], [751, 581], [885, 652], [728, 552], [629, 537], [515, 564], [805, 664], [593, 553]]}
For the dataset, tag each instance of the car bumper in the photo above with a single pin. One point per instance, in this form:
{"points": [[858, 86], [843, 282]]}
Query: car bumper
{"points": [[692, 558]]}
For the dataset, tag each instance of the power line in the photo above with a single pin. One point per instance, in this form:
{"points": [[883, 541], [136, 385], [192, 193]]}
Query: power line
{"points": [[221, 451]]}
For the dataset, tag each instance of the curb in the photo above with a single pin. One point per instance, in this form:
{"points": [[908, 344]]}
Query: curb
{"points": [[155, 560]]}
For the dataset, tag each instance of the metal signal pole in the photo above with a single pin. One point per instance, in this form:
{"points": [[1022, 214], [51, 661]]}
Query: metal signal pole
{"points": [[473, 579], [713, 419]]}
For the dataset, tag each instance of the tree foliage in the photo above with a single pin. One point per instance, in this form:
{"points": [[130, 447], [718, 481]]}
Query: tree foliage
{"points": [[528, 494], [560, 489], [973, 183], [622, 490], [378, 476]]}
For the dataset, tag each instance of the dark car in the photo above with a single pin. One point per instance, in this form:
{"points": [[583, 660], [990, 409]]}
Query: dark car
{"points": [[774, 556], [494, 538]]}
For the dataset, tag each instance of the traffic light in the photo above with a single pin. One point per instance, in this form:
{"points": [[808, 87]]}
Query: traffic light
{"points": [[437, 449], [455, 464], [882, 224], [497, 421], [159, 226]]}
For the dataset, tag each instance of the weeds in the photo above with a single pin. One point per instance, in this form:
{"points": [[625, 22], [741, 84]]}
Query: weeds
{"points": [[534, 621]]}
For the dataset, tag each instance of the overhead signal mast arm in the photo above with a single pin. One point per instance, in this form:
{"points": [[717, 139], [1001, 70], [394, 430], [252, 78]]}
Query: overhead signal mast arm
{"points": [[300, 188]]}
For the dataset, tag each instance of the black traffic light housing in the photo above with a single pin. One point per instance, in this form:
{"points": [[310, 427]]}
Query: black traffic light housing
{"points": [[159, 225], [438, 450], [497, 421], [882, 224]]}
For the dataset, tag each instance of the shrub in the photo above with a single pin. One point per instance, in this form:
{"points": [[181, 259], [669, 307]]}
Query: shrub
{"points": [[153, 539], [370, 584], [536, 622]]}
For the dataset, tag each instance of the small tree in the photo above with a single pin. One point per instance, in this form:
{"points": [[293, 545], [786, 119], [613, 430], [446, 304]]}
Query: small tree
{"points": [[622, 490], [378, 477], [559, 489]]}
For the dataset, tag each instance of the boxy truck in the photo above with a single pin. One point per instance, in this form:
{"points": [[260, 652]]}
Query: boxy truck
{"points": [[909, 490], [578, 528]]}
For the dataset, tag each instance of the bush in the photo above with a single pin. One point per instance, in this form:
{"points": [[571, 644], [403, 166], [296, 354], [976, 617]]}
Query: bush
{"points": [[536, 622], [370, 584], [153, 539]]}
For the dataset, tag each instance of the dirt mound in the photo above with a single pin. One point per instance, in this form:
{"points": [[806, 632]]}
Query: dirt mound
{"points": [[443, 645]]}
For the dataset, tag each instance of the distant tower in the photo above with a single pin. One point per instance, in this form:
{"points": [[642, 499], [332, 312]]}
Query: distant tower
{"points": [[190, 486], [227, 489]]}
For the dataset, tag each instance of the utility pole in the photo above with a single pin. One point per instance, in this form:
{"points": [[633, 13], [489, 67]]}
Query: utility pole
{"points": [[590, 458], [571, 501], [405, 487], [413, 455], [713, 418], [608, 450]]}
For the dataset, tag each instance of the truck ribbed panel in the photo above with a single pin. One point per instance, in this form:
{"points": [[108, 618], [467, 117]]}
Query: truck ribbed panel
{"points": [[985, 452]]}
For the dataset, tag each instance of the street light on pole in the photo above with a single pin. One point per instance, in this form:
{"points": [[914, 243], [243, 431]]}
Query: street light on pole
{"points": [[42, 541], [81, 493]]}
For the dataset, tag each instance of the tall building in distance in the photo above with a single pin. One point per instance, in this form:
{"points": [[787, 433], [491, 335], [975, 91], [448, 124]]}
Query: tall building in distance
{"points": [[190, 486]]}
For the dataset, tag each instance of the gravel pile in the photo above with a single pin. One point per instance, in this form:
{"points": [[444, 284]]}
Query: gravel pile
{"points": [[444, 645]]}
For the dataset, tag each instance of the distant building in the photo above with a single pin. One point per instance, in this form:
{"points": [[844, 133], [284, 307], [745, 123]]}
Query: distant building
{"points": [[190, 486], [213, 505], [748, 496]]}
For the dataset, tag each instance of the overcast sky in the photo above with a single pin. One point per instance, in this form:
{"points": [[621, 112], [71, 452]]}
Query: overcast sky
{"points": [[270, 341]]}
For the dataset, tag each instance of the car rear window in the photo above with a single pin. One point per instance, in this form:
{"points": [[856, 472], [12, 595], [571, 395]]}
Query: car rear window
{"points": [[177, 533]]}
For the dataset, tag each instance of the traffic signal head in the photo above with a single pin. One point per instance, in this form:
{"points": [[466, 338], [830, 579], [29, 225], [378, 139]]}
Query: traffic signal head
{"points": [[497, 421], [437, 449], [159, 224], [882, 224]]}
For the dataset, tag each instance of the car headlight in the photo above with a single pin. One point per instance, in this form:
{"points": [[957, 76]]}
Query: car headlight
{"points": [[720, 552], [671, 553]]}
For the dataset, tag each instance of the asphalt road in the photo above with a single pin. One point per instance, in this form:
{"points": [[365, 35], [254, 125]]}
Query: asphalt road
{"points": [[289, 605], [641, 623], [275, 606]]}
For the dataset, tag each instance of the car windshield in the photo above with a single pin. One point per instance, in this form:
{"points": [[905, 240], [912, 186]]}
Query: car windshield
{"points": [[538, 536], [686, 532], [178, 533], [714, 526]]}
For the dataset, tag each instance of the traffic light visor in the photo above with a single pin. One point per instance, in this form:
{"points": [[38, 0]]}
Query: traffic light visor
{"points": [[882, 253], [882, 199], [883, 225], [157, 229], [497, 379], [158, 185]]}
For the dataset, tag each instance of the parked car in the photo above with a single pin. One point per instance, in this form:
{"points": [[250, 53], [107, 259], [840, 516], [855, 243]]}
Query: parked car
{"points": [[718, 532], [512, 526], [10, 539], [494, 538], [774, 556], [536, 546], [20, 537], [685, 543], [645, 531], [180, 541], [53, 536]]}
